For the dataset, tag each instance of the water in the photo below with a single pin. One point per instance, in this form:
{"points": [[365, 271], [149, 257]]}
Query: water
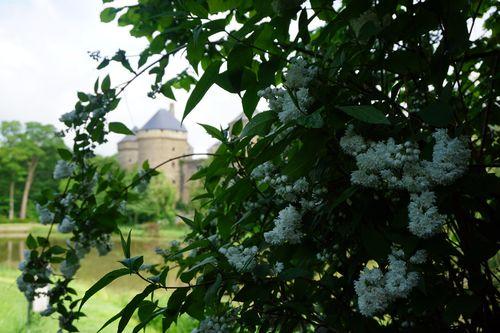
{"points": [[93, 266]]}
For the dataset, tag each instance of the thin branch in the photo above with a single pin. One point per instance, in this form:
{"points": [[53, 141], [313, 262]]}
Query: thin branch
{"points": [[168, 54], [163, 163]]}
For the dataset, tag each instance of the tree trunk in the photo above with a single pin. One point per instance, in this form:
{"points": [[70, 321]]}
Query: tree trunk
{"points": [[27, 186], [11, 200]]}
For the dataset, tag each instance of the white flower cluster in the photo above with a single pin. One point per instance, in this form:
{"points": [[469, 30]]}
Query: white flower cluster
{"points": [[67, 225], [240, 257], [299, 74], [388, 165], [449, 159], [69, 268], [300, 191], [286, 227], [44, 214], [67, 200], [64, 169], [377, 290], [423, 215], [69, 117], [103, 244], [38, 275], [278, 268], [293, 103], [214, 324]]}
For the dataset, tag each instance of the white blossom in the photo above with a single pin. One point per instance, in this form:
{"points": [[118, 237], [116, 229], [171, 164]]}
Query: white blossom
{"points": [[68, 269], [63, 169], [104, 244], [370, 288], [449, 158], [240, 257], [278, 268], [44, 214], [262, 170], [286, 227], [214, 324], [299, 74], [419, 257], [398, 281], [376, 290], [423, 215], [67, 200], [67, 225], [387, 164], [352, 143], [69, 117]]}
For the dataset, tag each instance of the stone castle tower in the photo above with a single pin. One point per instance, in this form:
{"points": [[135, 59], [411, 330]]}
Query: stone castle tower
{"points": [[162, 138]]}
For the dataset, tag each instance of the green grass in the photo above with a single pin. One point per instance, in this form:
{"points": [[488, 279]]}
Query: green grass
{"points": [[105, 304]]}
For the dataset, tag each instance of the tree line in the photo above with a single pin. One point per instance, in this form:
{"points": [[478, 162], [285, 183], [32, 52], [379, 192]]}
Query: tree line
{"points": [[28, 154]]}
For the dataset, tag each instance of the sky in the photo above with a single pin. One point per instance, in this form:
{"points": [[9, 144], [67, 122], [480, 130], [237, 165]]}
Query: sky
{"points": [[44, 62]]}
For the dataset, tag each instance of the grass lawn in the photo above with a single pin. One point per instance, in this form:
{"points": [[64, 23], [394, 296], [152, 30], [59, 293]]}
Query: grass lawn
{"points": [[99, 309]]}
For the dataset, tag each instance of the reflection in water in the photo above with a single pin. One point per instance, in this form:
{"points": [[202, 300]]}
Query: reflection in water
{"points": [[93, 266]]}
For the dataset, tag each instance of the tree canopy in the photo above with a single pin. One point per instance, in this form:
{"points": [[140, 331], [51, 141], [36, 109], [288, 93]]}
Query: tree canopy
{"points": [[28, 154]]}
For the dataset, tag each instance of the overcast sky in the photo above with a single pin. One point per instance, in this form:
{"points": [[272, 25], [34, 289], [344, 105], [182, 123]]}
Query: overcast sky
{"points": [[44, 62]]}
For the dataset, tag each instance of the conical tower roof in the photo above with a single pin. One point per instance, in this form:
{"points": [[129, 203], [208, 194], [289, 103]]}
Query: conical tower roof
{"points": [[164, 120]]}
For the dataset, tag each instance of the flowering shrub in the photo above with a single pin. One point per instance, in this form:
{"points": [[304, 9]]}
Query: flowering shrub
{"points": [[363, 199]]}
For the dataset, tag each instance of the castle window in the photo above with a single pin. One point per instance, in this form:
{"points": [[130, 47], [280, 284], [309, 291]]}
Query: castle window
{"points": [[173, 181], [173, 164], [173, 148]]}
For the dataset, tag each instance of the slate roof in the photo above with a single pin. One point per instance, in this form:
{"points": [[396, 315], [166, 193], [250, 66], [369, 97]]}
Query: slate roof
{"points": [[164, 120]]}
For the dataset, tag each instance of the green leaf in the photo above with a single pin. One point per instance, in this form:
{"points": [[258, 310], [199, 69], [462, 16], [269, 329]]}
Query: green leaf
{"points": [[237, 127], [211, 294], [303, 29], [366, 113], [214, 132], [31, 242], [437, 114], [162, 279], [166, 90], [125, 243], [109, 14], [250, 101], [103, 282], [106, 84], [146, 310], [65, 154], [196, 8], [103, 63], [133, 263], [129, 309], [119, 128], [83, 97], [259, 124], [205, 82]]}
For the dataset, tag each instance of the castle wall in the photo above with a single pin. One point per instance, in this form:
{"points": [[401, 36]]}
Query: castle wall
{"points": [[188, 168], [157, 146], [127, 154]]}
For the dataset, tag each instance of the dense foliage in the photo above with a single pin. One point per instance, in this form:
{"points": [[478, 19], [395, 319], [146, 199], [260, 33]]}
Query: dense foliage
{"points": [[364, 199], [28, 154]]}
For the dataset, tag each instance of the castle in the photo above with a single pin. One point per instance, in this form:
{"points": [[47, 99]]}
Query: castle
{"points": [[162, 138]]}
